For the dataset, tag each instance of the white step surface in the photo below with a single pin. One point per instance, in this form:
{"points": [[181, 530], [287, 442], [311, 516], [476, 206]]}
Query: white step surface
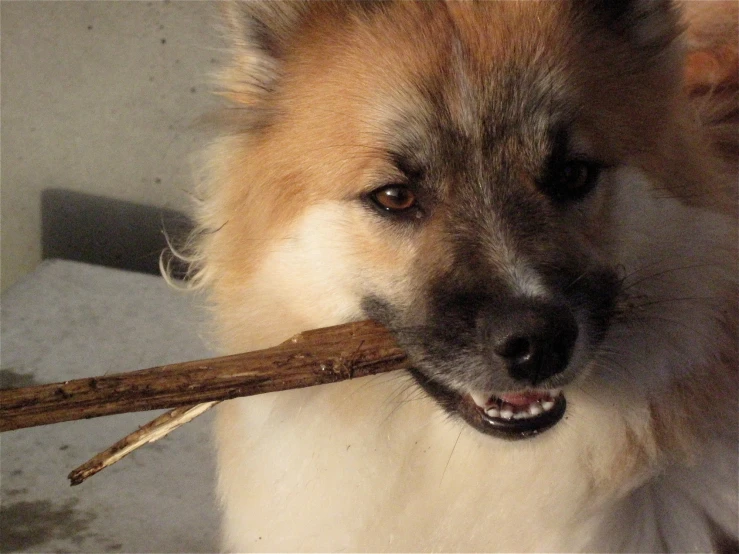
{"points": [[69, 320]]}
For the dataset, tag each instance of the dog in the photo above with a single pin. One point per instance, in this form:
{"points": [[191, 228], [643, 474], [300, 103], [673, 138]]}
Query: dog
{"points": [[539, 200]]}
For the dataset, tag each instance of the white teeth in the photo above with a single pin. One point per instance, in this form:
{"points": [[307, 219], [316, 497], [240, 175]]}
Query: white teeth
{"points": [[480, 398], [497, 408]]}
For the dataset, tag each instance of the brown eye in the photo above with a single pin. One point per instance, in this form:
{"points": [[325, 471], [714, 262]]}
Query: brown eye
{"points": [[394, 198], [573, 179]]}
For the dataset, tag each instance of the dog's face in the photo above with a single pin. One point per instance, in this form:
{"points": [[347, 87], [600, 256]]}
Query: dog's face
{"points": [[498, 182]]}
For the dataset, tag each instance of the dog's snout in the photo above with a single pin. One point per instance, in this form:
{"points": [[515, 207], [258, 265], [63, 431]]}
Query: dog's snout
{"points": [[533, 341]]}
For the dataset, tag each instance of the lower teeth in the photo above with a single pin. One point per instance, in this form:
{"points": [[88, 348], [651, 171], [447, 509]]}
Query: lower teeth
{"points": [[507, 411]]}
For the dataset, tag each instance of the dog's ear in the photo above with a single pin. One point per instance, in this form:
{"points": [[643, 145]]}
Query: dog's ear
{"points": [[649, 25], [263, 28], [259, 34]]}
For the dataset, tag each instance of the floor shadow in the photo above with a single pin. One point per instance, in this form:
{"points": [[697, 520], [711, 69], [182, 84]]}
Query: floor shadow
{"points": [[104, 231]]}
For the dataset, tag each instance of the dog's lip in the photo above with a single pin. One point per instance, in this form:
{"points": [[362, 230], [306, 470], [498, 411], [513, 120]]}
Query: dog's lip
{"points": [[517, 414]]}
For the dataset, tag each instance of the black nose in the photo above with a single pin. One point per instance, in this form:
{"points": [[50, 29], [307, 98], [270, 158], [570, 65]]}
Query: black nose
{"points": [[533, 340]]}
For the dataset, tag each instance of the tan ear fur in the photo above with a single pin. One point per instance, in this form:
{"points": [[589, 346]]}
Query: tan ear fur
{"points": [[258, 34]]}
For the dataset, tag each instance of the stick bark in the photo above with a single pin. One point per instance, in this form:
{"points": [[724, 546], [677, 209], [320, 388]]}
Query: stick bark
{"points": [[311, 358], [151, 432]]}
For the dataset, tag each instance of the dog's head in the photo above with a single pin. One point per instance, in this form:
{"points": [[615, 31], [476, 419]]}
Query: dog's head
{"points": [[515, 188]]}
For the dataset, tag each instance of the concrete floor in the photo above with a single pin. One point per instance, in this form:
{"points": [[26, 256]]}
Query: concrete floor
{"points": [[70, 320], [99, 101], [101, 98]]}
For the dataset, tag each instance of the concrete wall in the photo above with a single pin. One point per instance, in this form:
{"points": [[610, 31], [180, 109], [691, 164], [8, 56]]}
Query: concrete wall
{"points": [[99, 98]]}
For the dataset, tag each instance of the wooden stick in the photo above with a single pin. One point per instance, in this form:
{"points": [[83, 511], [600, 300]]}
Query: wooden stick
{"points": [[151, 432], [311, 358]]}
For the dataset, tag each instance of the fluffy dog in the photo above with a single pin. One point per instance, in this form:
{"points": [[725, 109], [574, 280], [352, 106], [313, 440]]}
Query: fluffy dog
{"points": [[539, 200]]}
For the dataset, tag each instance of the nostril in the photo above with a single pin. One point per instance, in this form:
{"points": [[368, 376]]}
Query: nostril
{"points": [[531, 342], [516, 349]]}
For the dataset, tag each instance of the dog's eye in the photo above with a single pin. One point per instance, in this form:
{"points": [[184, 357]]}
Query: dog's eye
{"points": [[572, 180], [394, 198]]}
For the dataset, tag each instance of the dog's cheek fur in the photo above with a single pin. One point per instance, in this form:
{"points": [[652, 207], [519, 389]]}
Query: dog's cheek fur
{"points": [[677, 266], [334, 251]]}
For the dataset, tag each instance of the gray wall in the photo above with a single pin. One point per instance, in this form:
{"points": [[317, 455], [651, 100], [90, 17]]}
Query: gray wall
{"points": [[100, 98]]}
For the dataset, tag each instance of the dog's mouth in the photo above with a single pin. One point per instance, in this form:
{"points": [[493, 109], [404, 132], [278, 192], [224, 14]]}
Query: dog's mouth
{"points": [[511, 415], [516, 415]]}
